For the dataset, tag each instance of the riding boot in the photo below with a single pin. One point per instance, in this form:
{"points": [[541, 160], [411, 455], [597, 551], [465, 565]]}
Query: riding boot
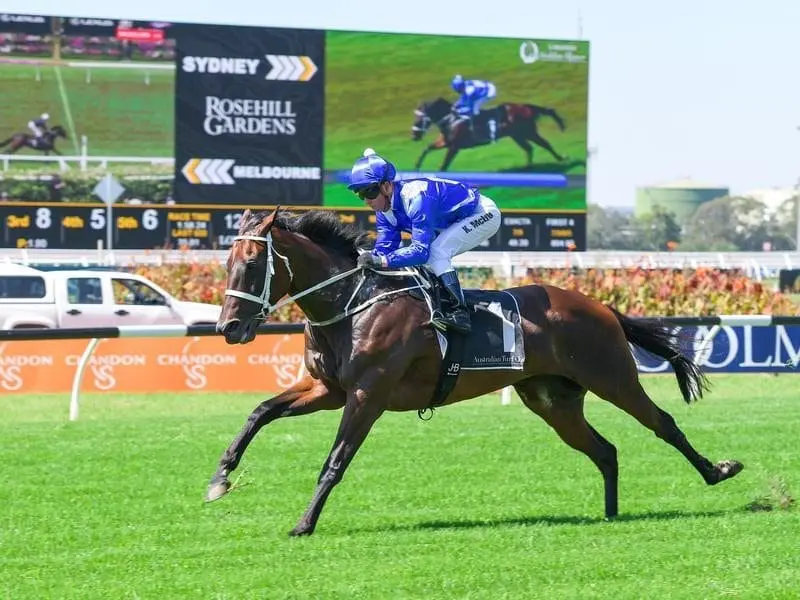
{"points": [[456, 316]]}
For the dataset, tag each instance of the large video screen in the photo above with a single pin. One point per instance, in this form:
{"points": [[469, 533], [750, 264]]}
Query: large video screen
{"points": [[392, 92], [195, 122]]}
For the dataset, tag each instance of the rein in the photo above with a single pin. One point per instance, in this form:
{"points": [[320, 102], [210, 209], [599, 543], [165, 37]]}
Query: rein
{"points": [[267, 308]]}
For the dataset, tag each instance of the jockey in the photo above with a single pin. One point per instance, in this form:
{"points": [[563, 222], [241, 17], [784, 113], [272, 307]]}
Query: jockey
{"points": [[445, 218], [39, 126], [473, 93]]}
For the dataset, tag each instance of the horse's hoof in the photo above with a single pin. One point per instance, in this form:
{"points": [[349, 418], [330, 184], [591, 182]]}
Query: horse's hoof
{"points": [[726, 469], [301, 530], [217, 489]]}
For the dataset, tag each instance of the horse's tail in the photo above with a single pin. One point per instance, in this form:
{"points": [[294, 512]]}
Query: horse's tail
{"points": [[655, 337], [548, 112]]}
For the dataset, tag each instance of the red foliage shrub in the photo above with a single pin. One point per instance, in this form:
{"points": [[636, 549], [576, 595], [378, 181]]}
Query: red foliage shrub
{"points": [[634, 291]]}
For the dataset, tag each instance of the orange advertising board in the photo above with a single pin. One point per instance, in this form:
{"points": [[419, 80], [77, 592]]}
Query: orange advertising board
{"points": [[271, 363]]}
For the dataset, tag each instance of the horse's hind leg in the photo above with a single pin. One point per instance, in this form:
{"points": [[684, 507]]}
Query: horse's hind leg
{"points": [[540, 141], [305, 397], [615, 379], [526, 147], [635, 401], [559, 402]]}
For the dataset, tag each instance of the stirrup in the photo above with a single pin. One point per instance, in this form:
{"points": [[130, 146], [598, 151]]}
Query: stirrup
{"points": [[448, 321]]}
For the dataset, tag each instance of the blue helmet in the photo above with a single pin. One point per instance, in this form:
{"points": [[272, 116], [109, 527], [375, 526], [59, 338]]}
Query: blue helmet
{"points": [[457, 83], [371, 169]]}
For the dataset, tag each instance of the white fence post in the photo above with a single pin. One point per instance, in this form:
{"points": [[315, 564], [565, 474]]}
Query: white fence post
{"points": [[74, 399], [505, 395]]}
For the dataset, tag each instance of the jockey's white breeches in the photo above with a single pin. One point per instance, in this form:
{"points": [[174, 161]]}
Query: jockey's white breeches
{"points": [[464, 235]]}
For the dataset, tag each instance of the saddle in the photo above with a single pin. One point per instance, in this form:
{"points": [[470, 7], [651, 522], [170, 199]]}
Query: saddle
{"points": [[479, 124], [495, 342]]}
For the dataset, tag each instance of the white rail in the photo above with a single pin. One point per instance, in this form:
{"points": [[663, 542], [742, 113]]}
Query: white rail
{"points": [[83, 160], [765, 263]]}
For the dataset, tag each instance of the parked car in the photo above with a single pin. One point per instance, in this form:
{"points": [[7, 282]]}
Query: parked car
{"points": [[30, 298]]}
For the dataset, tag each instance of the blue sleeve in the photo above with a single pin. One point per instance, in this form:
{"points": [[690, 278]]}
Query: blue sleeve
{"points": [[388, 236], [420, 211]]}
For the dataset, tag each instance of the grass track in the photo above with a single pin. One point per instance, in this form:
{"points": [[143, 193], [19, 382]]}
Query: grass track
{"points": [[481, 502], [118, 111]]}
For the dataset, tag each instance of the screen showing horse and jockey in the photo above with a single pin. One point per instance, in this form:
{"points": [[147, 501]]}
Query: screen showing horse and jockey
{"points": [[508, 115]]}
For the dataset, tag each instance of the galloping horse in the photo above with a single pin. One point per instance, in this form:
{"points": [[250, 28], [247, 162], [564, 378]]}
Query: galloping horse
{"points": [[517, 121], [369, 348], [46, 143]]}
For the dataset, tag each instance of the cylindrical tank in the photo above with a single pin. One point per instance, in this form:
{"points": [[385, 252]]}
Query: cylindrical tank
{"points": [[681, 197]]}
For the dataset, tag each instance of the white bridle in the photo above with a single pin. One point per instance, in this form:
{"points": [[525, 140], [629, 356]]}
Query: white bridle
{"points": [[267, 308]]}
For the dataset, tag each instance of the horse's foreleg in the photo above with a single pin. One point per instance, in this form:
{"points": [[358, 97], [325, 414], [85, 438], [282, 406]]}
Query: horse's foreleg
{"points": [[437, 145], [425, 152], [305, 397], [360, 413], [448, 158]]}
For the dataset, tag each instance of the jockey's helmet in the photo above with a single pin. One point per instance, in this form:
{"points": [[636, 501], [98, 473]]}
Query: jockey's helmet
{"points": [[45, 116], [370, 169], [457, 83]]}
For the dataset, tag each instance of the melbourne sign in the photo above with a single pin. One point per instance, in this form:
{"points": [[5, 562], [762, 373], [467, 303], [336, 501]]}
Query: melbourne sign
{"points": [[249, 115], [745, 349]]}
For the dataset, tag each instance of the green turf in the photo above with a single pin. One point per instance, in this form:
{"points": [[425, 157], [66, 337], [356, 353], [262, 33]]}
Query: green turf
{"points": [[121, 113], [484, 501]]}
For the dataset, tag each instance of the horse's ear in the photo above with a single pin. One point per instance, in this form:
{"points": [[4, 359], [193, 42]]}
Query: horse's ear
{"points": [[246, 216], [266, 224]]}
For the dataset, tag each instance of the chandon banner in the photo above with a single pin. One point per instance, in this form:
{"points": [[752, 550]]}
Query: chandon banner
{"points": [[249, 115], [743, 349]]}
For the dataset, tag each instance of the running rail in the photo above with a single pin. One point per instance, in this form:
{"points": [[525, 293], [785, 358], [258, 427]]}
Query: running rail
{"points": [[94, 335]]}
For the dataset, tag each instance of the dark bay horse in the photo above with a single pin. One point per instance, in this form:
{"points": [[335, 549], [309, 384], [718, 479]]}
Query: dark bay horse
{"points": [[46, 144], [516, 121], [369, 349]]}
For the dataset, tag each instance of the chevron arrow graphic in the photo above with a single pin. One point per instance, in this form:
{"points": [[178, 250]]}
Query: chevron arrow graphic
{"points": [[290, 68], [189, 170], [215, 171], [309, 68]]}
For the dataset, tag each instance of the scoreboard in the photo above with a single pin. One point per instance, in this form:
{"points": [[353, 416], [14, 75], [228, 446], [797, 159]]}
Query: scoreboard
{"points": [[81, 226]]}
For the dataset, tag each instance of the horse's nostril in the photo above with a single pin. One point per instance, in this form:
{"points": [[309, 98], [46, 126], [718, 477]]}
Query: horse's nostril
{"points": [[228, 326]]}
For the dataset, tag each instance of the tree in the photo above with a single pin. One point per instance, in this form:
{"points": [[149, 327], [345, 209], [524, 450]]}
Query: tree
{"points": [[734, 223], [656, 229], [607, 229], [786, 217]]}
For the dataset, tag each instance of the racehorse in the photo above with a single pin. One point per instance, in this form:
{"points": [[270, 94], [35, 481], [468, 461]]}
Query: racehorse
{"points": [[517, 121], [369, 348], [46, 143]]}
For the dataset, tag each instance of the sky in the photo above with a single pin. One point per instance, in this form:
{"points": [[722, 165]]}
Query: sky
{"points": [[707, 89]]}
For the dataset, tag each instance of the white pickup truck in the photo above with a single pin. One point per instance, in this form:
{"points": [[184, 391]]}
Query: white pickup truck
{"points": [[34, 299]]}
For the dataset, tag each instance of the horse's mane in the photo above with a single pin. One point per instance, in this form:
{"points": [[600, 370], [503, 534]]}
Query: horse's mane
{"points": [[326, 229]]}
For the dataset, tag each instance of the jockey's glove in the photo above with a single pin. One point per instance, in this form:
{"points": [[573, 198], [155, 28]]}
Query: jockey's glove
{"points": [[367, 259]]}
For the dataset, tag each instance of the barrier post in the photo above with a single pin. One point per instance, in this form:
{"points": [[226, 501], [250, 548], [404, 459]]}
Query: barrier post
{"points": [[505, 396], [74, 399]]}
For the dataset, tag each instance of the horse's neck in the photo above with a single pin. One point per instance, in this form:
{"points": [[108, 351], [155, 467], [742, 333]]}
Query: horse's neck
{"points": [[311, 266]]}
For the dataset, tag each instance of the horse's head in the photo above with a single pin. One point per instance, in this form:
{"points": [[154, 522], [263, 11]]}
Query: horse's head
{"points": [[58, 131], [426, 114], [254, 283]]}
